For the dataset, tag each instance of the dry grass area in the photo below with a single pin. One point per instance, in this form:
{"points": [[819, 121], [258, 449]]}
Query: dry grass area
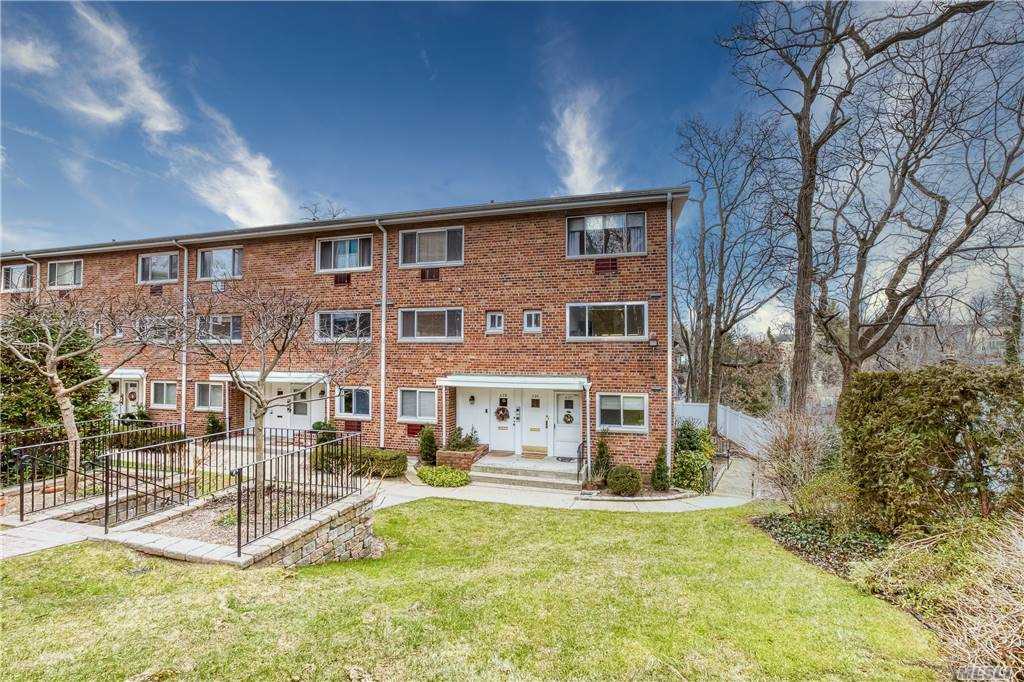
{"points": [[467, 591]]}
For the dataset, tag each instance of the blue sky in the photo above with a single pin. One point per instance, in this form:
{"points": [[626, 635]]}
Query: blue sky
{"points": [[129, 120]]}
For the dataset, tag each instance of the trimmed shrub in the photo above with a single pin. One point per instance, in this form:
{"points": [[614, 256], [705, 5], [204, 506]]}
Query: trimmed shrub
{"points": [[624, 480], [602, 460], [330, 458], [442, 476], [214, 424], [384, 463], [934, 443], [687, 436], [428, 446], [325, 432], [688, 470], [659, 479], [462, 442]]}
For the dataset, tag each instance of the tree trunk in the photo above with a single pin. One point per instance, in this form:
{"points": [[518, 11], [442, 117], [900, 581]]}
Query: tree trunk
{"points": [[715, 386], [800, 377], [259, 439], [850, 367], [67, 418], [1013, 331]]}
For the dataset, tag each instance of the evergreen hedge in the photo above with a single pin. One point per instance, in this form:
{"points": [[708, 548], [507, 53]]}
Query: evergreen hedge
{"points": [[934, 443]]}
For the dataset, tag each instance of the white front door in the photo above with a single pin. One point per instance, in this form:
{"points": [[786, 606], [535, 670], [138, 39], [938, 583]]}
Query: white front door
{"points": [[126, 395], [278, 416], [568, 431], [473, 412], [536, 420], [301, 408], [504, 420]]}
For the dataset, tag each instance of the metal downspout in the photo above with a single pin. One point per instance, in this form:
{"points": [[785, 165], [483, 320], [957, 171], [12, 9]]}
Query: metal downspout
{"points": [[670, 403], [38, 275], [383, 327], [184, 343], [586, 388]]}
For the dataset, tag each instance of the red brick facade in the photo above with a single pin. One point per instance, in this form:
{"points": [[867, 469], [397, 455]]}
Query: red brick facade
{"points": [[512, 263]]}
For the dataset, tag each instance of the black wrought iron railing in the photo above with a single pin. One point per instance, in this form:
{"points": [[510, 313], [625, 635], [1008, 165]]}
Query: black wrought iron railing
{"points": [[146, 480], [582, 465], [283, 488]]}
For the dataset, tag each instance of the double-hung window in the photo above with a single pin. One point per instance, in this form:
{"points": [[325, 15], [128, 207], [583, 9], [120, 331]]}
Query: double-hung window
{"points": [[531, 322], [616, 234], [622, 412], [209, 396], [352, 403], [606, 321], [439, 325], [158, 268], [495, 322], [156, 329], [342, 325], [344, 254], [164, 395], [220, 264], [18, 278], [431, 248], [219, 328], [64, 274], [417, 405]]}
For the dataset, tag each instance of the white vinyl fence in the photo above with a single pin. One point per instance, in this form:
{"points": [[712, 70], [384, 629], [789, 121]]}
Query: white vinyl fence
{"points": [[746, 431]]}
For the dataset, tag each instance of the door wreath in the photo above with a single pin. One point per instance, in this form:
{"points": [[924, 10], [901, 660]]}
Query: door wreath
{"points": [[567, 418], [501, 414]]}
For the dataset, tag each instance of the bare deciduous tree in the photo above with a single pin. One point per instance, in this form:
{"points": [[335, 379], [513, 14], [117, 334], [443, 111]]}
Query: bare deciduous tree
{"points": [[274, 332], [926, 177], [325, 210], [733, 264], [49, 328], [808, 59]]}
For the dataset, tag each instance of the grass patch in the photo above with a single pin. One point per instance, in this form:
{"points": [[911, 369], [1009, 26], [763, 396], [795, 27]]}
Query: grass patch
{"points": [[467, 590]]}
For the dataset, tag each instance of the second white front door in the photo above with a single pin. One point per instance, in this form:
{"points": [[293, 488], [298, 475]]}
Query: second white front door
{"points": [[504, 420], [568, 434], [301, 408], [536, 421]]}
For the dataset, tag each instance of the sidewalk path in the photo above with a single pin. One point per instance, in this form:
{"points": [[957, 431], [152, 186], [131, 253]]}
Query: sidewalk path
{"points": [[43, 535]]}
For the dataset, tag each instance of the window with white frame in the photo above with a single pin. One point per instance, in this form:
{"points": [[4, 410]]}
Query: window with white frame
{"points": [[531, 321], [430, 324], [64, 274], [220, 264], [344, 254], [622, 412], [163, 394], [606, 321], [342, 325], [495, 322], [158, 268], [417, 405], [616, 234], [352, 403], [431, 248], [219, 328], [156, 329], [18, 277], [209, 396]]}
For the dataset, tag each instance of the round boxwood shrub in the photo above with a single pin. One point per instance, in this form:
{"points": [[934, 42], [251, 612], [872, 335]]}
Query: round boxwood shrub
{"points": [[428, 446], [624, 480], [443, 476]]}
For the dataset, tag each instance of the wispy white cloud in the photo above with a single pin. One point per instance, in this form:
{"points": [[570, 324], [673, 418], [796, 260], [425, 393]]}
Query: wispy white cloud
{"points": [[117, 68], [26, 236], [29, 54], [579, 145], [229, 177], [110, 84]]}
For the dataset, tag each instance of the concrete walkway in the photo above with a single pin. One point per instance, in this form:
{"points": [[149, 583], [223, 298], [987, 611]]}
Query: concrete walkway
{"points": [[394, 492], [48, 533]]}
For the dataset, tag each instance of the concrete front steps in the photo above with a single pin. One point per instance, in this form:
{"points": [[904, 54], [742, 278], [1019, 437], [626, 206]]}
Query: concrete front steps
{"points": [[549, 479]]}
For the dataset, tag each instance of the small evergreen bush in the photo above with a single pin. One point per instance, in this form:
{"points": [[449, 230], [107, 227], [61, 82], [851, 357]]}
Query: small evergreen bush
{"points": [[442, 476], [462, 442], [659, 479], [689, 470], [428, 446], [214, 424], [385, 463], [624, 480], [325, 432], [602, 460]]}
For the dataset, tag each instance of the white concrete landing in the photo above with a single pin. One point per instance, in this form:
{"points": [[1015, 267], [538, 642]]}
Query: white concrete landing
{"points": [[42, 535]]}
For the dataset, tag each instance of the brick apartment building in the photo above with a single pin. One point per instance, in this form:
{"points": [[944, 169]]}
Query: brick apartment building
{"points": [[539, 323]]}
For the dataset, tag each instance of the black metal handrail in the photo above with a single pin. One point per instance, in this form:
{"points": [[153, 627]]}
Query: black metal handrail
{"points": [[140, 480], [582, 465], [283, 488], [46, 484]]}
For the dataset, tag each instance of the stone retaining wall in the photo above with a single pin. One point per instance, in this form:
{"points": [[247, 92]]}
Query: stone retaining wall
{"points": [[337, 533]]}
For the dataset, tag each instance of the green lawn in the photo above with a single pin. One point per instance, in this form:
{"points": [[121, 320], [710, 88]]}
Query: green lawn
{"points": [[468, 590]]}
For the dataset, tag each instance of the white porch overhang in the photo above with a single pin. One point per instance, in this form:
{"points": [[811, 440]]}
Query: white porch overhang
{"points": [[557, 383], [275, 377], [126, 373]]}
